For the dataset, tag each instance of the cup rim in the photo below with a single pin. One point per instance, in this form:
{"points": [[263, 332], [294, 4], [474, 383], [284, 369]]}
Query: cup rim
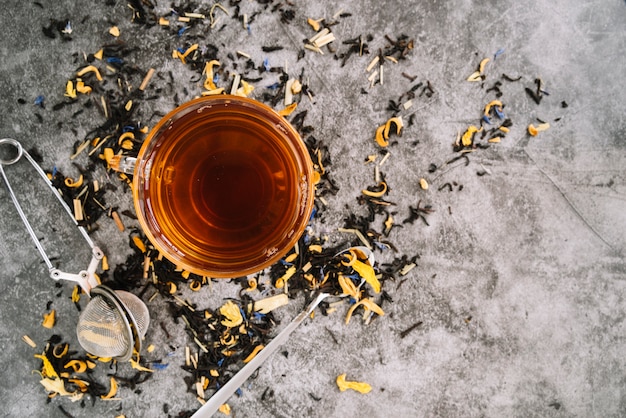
{"points": [[301, 220]]}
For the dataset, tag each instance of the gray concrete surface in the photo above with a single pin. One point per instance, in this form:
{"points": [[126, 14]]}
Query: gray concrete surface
{"points": [[521, 282]]}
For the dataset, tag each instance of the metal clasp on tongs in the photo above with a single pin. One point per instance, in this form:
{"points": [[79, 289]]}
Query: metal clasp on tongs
{"points": [[87, 279]]}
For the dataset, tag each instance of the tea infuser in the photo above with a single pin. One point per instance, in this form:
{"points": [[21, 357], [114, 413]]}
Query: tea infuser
{"points": [[113, 322]]}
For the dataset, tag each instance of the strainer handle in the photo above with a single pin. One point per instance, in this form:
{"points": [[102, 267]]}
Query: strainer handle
{"points": [[86, 279], [225, 392]]}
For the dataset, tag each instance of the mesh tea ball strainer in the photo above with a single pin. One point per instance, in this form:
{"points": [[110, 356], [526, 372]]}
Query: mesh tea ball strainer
{"points": [[114, 322]]}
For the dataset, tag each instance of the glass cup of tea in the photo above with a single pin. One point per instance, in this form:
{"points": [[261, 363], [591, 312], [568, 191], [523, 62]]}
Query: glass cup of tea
{"points": [[222, 186]]}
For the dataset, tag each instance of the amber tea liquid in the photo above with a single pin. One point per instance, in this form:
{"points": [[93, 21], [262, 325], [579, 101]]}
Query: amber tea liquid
{"points": [[224, 190]]}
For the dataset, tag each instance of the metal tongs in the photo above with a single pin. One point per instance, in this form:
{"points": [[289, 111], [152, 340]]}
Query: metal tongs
{"points": [[86, 279]]}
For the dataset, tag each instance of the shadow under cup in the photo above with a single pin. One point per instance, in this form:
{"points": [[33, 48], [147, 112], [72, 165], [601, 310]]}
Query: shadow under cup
{"points": [[223, 186]]}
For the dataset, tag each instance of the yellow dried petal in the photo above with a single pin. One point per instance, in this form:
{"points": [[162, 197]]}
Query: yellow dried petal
{"points": [[135, 365], [245, 89], [483, 63], [70, 91], [49, 319], [90, 69], [367, 272], [252, 284], [315, 24], [280, 282], [380, 139], [112, 391], [78, 366], [291, 257], [225, 409], [183, 56], [494, 140], [195, 285], [47, 370], [139, 243], [476, 76], [316, 177], [296, 87], [99, 55], [344, 385], [348, 287], [214, 373], [367, 304], [108, 155], [213, 92], [254, 353], [423, 184], [232, 313], [491, 104], [115, 31], [82, 385], [504, 129], [389, 223], [534, 130], [397, 121], [127, 144], [82, 88], [208, 69], [57, 386], [467, 137], [71, 183], [172, 287], [380, 193], [316, 248], [60, 350], [288, 110]]}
